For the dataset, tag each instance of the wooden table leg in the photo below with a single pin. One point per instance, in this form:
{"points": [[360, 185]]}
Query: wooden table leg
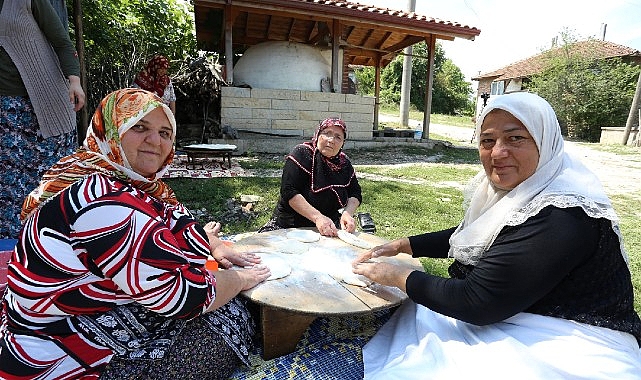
{"points": [[282, 330]]}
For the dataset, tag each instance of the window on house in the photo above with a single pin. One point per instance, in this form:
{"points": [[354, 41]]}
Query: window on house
{"points": [[497, 88]]}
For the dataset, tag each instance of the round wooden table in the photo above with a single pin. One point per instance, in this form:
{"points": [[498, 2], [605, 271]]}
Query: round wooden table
{"points": [[315, 286]]}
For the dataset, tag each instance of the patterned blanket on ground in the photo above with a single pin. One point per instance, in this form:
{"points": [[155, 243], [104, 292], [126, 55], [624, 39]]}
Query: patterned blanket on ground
{"points": [[330, 349], [210, 168]]}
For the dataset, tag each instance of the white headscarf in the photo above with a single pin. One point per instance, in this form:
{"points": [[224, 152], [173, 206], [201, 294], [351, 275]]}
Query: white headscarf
{"points": [[560, 180]]}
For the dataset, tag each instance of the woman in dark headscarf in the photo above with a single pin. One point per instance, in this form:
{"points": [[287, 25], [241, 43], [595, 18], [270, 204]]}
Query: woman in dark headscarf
{"points": [[154, 78], [318, 186]]}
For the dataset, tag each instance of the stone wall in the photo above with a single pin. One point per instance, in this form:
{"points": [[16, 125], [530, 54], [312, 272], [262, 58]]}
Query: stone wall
{"points": [[293, 113], [614, 135]]}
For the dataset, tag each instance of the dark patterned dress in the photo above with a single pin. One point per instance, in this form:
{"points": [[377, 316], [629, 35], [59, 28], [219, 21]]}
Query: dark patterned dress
{"points": [[106, 274], [24, 157]]}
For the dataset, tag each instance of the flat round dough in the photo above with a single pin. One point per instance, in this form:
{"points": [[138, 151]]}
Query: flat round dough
{"points": [[354, 240], [277, 266], [357, 280], [305, 236]]}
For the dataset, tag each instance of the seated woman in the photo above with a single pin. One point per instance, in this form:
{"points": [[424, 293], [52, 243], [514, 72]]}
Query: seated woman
{"points": [[154, 78], [539, 287], [318, 180], [108, 278]]}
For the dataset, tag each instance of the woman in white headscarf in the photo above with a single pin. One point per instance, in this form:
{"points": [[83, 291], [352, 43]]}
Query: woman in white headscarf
{"points": [[539, 287]]}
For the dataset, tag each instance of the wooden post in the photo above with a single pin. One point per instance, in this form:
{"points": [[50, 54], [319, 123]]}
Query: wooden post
{"points": [[429, 82], [83, 124], [336, 35], [633, 111], [229, 51], [377, 90]]}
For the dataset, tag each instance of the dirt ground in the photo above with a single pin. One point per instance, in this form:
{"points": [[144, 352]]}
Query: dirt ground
{"points": [[619, 174]]}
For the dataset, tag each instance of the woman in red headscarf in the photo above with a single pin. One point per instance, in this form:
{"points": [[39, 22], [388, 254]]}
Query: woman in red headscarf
{"points": [[154, 78], [109, 276], [318, 185]]}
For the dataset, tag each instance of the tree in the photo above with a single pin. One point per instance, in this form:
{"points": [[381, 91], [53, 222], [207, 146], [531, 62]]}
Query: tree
{"points": [[450, 94], [587, 92], [121, 35]]}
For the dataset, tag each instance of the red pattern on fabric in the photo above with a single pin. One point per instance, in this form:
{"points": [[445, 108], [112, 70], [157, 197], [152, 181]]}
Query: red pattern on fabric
{"points": [[153, 254], [149, 79]]}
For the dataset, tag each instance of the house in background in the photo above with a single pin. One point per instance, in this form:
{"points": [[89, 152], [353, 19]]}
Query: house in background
{"points": [[512, 77]]}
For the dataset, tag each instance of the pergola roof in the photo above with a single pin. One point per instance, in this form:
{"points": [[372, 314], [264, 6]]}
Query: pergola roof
{"points": [[366, 33]]}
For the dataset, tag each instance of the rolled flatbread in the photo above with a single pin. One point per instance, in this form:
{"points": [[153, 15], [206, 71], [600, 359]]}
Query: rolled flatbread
{"points": [[354, 240], [277, 266]]}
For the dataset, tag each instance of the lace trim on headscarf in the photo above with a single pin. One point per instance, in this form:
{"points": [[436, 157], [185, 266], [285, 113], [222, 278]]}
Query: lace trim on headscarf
{"points": [[470, 255]]}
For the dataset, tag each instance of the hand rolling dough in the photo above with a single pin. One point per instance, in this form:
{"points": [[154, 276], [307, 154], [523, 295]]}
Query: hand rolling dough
{"points": [[277, 266], [354, 240]]}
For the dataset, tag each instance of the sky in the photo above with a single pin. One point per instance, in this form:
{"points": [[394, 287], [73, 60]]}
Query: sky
{"points": [[512, 30]]}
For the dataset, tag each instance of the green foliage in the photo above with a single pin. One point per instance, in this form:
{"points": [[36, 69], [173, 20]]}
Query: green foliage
{"points": [[586, 93], [121, 35], [450, 93]]}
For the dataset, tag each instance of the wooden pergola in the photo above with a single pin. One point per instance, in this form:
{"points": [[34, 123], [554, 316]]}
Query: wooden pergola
{"points": [[368, 35]]}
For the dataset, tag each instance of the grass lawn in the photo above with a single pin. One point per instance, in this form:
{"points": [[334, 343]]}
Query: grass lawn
{"points": [[398, 208]]}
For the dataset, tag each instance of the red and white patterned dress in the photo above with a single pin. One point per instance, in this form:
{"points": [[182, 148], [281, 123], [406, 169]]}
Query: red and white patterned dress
{"points": [[105, 269]]}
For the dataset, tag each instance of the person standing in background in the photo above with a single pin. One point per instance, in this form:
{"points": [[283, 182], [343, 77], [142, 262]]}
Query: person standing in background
{"points": [[40, 93], [154, 78]]}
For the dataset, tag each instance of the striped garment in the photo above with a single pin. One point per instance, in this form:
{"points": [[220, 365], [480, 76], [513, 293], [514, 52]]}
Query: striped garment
{"points": [[99, 245]]}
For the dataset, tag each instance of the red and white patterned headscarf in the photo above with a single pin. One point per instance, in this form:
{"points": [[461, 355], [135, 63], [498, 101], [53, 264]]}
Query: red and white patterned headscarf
{"points": [[149, 79], [102, 151]]}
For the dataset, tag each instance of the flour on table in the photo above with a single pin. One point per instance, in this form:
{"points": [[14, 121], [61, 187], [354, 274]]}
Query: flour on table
{"points": [[290, 246], [277, 266], [335, 262], [357, 280], [305, 236], [354, 240]]}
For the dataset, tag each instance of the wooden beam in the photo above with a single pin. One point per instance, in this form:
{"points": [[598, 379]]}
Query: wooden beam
{"points": [[229, 51], [382, 42], [377, 90], [81, 128], [429, 82], [336, 37]]}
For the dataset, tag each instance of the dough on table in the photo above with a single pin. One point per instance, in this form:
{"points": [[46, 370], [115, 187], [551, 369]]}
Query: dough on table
{"points": [[291, 246], [356, 279], [277, 266], [354, 240], [305, 236]]}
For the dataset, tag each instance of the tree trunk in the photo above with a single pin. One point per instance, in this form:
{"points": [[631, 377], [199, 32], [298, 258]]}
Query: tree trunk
{"points": [[634, 110], [80, 47]]}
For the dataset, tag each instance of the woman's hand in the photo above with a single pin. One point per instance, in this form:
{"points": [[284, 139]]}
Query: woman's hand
{"points": [[326, 226], [388, 249], [228, 256], [231, 282], [212, 229], [253, 276], [384, 273], [76, 94], [347, 222]]}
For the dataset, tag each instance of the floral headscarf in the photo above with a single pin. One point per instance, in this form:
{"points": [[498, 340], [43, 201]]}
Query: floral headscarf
{"points": [[102, 151], [149, 79]]}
